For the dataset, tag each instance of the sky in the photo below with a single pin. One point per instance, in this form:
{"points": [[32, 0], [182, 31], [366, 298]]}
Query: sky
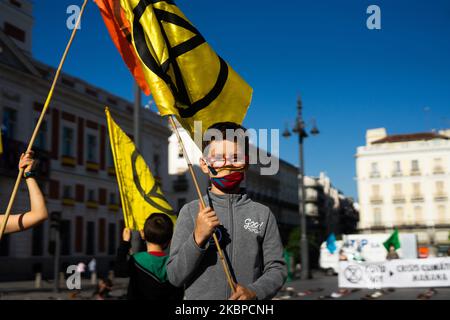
{"points": [[350, 78]]}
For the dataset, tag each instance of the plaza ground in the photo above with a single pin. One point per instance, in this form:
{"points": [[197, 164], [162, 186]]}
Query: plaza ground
{"points": [[319, 287]]}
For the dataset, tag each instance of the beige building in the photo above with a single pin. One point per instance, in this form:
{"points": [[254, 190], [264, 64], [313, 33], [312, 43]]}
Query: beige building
{"points": [[76, 170], [404, 181]]}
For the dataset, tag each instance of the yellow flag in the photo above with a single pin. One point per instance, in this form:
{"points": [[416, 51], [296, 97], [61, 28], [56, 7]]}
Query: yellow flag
{"points": [[139, 191], [170, 58]]}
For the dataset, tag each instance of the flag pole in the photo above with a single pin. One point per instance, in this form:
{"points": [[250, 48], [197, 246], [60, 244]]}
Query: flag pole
{"points": [[39, 123], [202, 202]]}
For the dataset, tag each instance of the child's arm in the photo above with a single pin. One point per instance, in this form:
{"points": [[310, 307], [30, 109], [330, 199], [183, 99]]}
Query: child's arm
{"points": [[274, 268], [38, 212], [185, 253], [121, 267]]}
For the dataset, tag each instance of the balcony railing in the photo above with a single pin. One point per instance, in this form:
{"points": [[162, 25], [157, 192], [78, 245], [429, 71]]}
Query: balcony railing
{"points": [[375, 174], [438, 170], [92, 166], [417, 198], [398, 199], [440, 197], [376, 200], [397, 173], [9, 159], [68, 161], [415, 172]]}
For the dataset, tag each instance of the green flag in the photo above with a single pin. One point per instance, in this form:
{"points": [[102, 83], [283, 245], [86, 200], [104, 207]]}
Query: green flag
{"points": [[393, 240]]}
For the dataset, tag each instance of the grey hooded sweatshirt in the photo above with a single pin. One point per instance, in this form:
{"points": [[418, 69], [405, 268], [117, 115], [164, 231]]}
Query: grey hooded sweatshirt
{"points": [[250, 241]]}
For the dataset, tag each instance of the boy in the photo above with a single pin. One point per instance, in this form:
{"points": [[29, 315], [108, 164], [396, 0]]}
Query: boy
{"points": [[247, 232], [38, 212], [147, 270]]}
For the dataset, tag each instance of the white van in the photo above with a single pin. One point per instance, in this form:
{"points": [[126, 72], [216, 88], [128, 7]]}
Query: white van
{"points": [[365, 247]]}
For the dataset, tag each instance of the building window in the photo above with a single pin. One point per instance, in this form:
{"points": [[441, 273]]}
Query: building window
{"points": [[91, 195], [14, 32], [9, 123], [90, 238], [66, 238], [112, 239], [415, 167], [102, 235], [112, 198], [92, 148], [398, 189], [438, 168], [377, 220], [67, 192], [418, 216], [399, 216], [156, 164], [374, 173], [417, 193], [397, 169], [41, 138], [375, 191], [67, 142], [439, 187], [440, 191], [91, 92], [441, 218], [79, 228], [110, 158]]}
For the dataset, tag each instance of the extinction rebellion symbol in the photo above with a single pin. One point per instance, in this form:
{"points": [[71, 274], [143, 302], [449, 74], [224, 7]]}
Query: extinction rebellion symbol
{"points": [[353, 274]]}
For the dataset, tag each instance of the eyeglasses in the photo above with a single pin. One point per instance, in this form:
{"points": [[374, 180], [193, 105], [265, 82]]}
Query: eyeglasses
{"points": [[232, 161]]}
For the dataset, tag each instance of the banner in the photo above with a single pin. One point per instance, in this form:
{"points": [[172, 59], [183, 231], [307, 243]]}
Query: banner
{"points": [[399, 273]]}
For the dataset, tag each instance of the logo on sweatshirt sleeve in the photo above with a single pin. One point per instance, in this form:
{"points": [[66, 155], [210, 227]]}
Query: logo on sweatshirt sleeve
{"points": [[253, 226]]}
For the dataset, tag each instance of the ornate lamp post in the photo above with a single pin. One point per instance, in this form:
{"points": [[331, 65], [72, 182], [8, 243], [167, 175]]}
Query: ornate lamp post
{"points": [[299, 129]]}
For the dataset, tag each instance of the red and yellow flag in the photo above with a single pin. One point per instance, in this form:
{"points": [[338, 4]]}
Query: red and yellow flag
{"points": [[170, 58]]}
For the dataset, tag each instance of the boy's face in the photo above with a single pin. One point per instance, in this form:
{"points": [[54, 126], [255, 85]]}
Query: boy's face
{"points": [[225, 157]]}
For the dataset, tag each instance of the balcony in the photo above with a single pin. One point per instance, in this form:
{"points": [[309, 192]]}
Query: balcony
{"points": [[92, 166], [415, 172], [439, 197], [111, 171], [438, 170], [375, 174], [417, 198], [68, 202], [113, 207], [9, 160], [397, 173], [398, 199], [376, 200], [68, 161], [91, 204], [180, 184]]}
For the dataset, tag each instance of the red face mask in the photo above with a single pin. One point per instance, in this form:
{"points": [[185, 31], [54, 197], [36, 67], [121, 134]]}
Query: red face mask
{"points": [[229, 182]]}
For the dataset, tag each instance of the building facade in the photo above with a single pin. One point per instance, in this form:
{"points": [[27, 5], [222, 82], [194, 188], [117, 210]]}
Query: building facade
{"points": [[76, 170], [328, 211], [403, 182]]}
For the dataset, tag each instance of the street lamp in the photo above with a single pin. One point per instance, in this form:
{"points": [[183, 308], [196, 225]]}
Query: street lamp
{"points": [[299, 128]]}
